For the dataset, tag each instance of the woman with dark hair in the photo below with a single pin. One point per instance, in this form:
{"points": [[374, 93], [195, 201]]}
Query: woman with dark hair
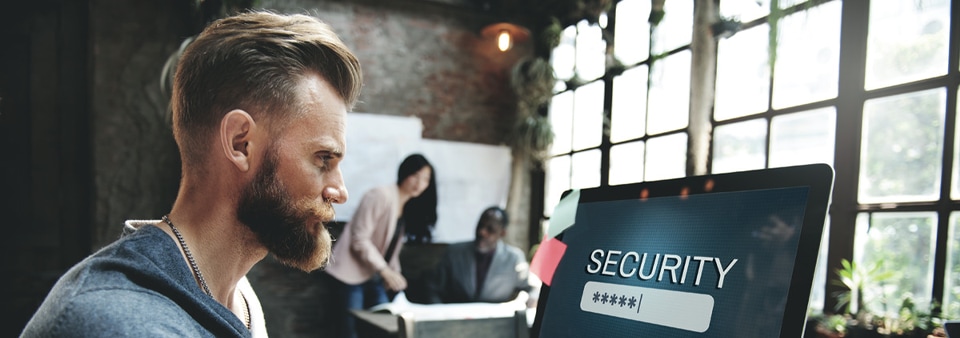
{"points": [[419, 213], [366, 258]]}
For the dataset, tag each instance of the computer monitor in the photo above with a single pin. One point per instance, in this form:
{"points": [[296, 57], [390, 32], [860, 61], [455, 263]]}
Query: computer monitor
{"points": [[725, 255]]}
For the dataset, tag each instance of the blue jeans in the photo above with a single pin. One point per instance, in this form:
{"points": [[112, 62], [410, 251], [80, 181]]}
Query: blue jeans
{"points": [[365, 295], [358, 297]]}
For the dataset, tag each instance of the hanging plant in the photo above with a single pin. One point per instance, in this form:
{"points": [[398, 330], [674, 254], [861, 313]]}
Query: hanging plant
{"points": [[656, 12], [532, 136], [532, 81], [725, 27], [774, 34], [774, 20], [550, 35], [593, 9]]}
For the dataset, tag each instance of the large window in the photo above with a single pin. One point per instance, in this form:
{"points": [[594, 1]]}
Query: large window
{"points": [[869, 87], [903, 103], [647, 112]]}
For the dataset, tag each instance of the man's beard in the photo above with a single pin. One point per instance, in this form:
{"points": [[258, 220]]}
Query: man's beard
{"points": [[293, 231]]}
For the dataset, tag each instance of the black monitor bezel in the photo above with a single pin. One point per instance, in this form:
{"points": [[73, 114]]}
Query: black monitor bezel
{"points": [[817, 177]]}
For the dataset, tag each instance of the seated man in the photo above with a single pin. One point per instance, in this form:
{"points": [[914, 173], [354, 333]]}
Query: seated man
{"points": [[483, 270]]}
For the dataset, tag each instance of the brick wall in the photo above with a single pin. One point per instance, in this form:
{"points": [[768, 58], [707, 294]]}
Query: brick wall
{"points": [[419, 59]]}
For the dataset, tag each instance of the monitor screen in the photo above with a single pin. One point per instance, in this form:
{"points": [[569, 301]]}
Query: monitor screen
{"points": [[712, 256]]}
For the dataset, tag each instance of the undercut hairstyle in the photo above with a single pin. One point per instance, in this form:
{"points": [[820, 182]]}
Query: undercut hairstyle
{"points": [[420, 213], [255, 61]]}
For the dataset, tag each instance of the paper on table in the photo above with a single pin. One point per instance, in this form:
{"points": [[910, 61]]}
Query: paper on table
{"points": [[400, 304]]}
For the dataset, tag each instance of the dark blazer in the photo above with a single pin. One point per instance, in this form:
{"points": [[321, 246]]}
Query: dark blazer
{"points": [[455, 278]]}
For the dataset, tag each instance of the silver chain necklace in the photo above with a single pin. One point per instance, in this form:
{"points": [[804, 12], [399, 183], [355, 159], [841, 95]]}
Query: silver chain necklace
{"points": [[196, 270]]}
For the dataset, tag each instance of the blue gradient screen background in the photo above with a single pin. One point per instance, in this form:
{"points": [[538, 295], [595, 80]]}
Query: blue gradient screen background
{"points": [[760, 228]]}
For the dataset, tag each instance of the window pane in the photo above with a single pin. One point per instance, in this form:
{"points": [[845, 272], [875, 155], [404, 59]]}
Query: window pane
{"points": [[626, 163], [586, 169], [902, 244], [790, 3], [563, 56], [557, 181], [629, 107], [803, 138], [955, 190], [632, 35], [590, 51], [669, 93], [808, 56], [745, 10], [818, 292], [588, 115], [951, 294], [561, 118], [559, 86], [666, 157], [902, 146], [743, 74], [907, 41], [676, 28], [740, 146]]}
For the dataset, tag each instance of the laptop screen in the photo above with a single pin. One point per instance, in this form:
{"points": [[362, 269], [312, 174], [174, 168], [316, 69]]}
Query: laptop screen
{"points": [[729, 255]]}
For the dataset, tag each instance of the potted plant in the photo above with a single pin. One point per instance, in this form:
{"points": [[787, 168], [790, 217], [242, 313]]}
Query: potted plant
{"points": [[856, 320]]}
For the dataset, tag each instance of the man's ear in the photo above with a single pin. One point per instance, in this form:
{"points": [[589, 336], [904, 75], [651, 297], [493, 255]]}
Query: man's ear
{"points": [[235, 137]]}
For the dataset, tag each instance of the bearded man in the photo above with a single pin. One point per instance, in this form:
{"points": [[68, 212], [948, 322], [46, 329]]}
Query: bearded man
{"points": [[259, 103]]}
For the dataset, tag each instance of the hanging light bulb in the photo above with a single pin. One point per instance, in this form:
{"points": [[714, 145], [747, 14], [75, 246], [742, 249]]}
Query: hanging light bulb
{"points": [[503, 40], [505, 34]]}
